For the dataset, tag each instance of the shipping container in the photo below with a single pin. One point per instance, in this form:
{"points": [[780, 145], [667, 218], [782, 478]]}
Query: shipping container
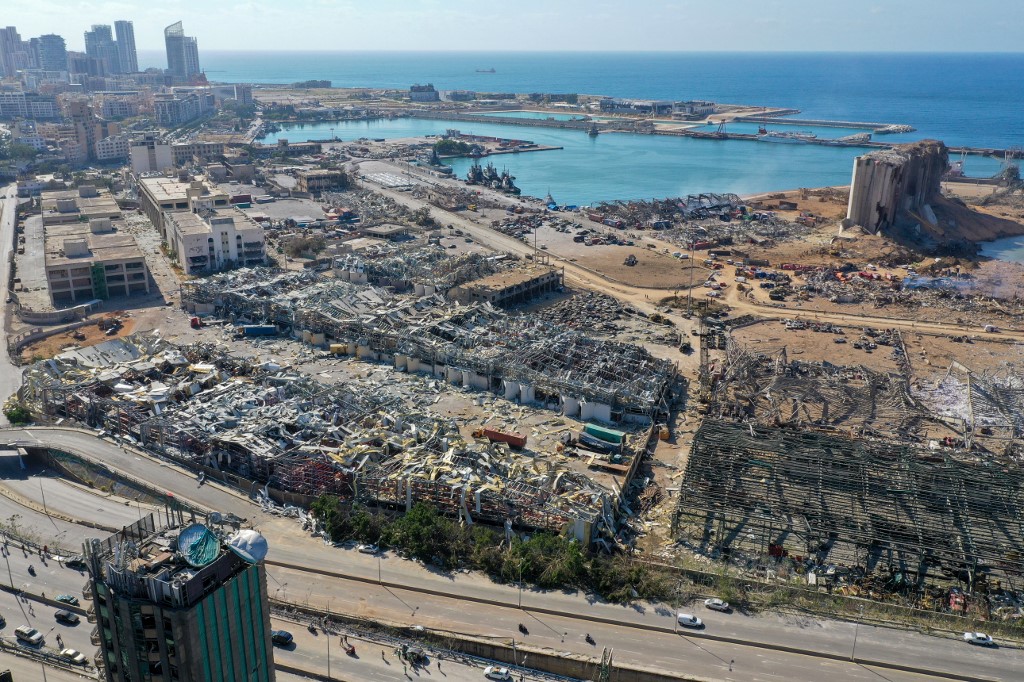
{"points": [[605, 434], [258, 330], [516, 440]]}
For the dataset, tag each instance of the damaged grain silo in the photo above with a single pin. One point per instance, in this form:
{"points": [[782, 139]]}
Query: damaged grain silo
{"points": [[893, 186]]}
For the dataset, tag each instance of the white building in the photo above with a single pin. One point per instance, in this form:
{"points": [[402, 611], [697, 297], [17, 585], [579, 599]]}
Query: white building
{"points": [[207, 239], [149, 154], [112, 148]]}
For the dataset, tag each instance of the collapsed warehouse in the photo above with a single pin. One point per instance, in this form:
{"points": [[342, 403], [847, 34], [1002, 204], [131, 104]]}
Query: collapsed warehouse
{"points": [[850, 478], [521, 357], [296, 438]]}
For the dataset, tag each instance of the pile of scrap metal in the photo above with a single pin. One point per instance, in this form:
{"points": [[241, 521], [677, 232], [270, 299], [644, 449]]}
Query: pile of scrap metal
{"points": [[474, 345], [403, 268], [278, 428]]}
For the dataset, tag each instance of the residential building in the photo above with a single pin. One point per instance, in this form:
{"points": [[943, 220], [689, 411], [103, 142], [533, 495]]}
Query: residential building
{"points": [[150, 154], [188, 153], [182, 53], [14, 53], [160, 196], [25, 132], [126, 53], [113, 148], [181, 602], [316, 181], [89, 129], [174, 109], [100, 46], [206, 239], [20, 104], [424, 93], [119, 107], [52, 53]]}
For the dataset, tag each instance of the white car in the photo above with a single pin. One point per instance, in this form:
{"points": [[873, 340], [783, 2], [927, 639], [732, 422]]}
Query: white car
{"points": [[367, 549], [493, 672], [978, 638], [716, 604], [688, 620], [74, 656]]}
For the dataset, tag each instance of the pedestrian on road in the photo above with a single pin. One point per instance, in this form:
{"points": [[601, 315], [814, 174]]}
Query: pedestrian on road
{"points": [[730, 664]]}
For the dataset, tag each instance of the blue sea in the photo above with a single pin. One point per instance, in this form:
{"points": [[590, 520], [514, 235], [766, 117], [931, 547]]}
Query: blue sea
{"points": [[962, 99]]}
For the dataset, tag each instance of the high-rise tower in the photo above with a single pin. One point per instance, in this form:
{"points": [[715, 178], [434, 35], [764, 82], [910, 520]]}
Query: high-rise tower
{"points": [[129, 58], [182, 53], [181, 602]]}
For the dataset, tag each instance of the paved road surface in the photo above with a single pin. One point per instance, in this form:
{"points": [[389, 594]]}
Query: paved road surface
{"points": [[10, 376], [632, 645]]}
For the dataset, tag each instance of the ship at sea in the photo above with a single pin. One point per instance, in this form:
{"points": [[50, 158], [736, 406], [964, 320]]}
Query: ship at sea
{"points": [[781, 137], [490, 70]]}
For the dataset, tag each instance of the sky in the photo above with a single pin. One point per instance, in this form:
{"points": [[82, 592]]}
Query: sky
{"points": [[546, 25]]}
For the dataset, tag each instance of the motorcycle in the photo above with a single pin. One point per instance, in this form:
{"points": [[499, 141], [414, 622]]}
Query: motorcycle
{"points": [[522, 629], [589, 639]]}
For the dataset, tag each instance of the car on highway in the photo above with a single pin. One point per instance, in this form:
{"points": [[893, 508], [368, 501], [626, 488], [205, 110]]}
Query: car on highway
{"points": [[493, 672], [688, 620], [28, 635], [716, 604], [978, 639], [367, 549], [75, 562], [66, 617], [67, 599], [281, 637], [74, 656]]}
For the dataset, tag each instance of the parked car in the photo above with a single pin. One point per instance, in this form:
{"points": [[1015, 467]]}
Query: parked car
{"points": [[493, 672], [281, 637], [716, 604], [75, 562], [688, 620], [28, 635], [67, 599], [367, 549], [74, 656], [978, 638], [67, 617]]}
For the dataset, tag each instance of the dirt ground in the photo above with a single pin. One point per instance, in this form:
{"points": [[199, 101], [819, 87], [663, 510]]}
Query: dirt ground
{"points": [[52, 345]]}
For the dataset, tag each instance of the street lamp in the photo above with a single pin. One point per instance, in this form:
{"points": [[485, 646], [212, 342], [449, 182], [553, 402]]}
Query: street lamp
{"points": [[689, 293], [856, 628]]}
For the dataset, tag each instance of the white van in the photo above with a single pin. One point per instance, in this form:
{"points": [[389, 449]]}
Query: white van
{"points": [[688, 620]]}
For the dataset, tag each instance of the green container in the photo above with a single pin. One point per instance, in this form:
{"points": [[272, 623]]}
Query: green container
{"points": [[607, 435]]}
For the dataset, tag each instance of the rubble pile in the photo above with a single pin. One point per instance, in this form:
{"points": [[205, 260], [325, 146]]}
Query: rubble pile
{"points": [[274, 426], [473, 345], [399, 266]]}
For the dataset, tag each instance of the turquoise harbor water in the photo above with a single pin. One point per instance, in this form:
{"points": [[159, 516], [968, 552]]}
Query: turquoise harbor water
{"points": [[1009, 249], [627, 166]]}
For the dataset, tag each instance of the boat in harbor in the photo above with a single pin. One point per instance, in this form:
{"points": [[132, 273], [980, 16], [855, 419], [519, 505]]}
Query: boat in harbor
{"points": [[593, 132], [783, 137]]}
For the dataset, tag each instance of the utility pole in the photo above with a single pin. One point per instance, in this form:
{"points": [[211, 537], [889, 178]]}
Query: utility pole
{"points": [[328, 633]]}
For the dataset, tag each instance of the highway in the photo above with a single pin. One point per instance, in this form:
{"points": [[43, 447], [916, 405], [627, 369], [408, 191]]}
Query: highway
{"points": [[641, 634], [10, 376]]}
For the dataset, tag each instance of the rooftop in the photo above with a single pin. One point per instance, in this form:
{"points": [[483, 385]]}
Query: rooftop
{"points": [[103, 247]]}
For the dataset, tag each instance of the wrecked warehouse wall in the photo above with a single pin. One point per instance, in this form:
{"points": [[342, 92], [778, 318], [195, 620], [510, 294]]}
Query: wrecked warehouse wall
{"points": [[891, 185]]}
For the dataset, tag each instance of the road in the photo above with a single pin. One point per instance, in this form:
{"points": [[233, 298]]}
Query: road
{"points": [[638, 631], [10, 376]]}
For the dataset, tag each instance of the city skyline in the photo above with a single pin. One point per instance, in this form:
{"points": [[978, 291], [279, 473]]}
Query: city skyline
{"points": [[531, 25]]}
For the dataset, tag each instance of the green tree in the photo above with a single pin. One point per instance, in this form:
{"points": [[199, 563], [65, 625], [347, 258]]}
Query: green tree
{"points": [[17, 413]]}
